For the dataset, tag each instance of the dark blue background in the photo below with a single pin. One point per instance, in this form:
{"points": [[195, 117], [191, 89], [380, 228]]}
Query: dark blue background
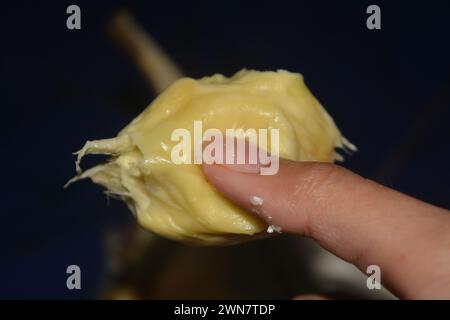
{"points": [[388, 90]]}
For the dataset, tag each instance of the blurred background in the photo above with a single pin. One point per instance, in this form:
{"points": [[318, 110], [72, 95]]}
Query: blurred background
{"points": [[388, 91]]}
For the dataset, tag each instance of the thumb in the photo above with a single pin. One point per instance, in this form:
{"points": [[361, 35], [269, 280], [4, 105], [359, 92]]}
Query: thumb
{"points": [[356, 219]]}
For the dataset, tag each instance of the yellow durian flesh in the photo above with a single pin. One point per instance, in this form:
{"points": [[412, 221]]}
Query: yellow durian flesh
{"points": [[176, 201]]}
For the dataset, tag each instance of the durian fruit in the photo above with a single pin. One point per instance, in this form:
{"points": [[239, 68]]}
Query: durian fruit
{"points": [[176, 200]]}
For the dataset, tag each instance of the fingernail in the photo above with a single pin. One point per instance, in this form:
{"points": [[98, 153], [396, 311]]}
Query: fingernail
{"points": [[244, 168], [243, 156]]}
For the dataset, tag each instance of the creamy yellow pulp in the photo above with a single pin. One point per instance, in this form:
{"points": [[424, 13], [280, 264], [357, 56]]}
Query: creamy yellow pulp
{"points": [[176, 201]]}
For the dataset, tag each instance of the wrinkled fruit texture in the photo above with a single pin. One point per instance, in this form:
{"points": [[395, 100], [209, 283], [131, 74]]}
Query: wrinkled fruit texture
{"points": [[176, 201]]}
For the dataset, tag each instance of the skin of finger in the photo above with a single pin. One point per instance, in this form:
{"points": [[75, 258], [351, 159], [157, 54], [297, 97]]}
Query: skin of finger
{"points": [[356, 219]]}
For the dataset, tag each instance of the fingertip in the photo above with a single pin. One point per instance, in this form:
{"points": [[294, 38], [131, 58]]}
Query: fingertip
{"points": [[263, 195]]}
